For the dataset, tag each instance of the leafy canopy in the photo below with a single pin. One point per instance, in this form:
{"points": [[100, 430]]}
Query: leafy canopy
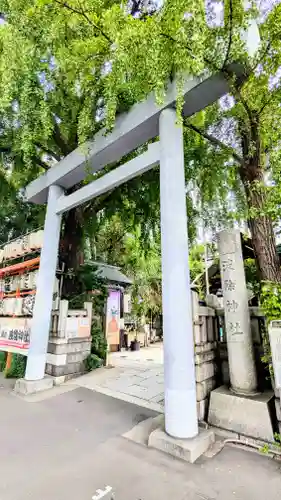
{"points": [[66, 67]]}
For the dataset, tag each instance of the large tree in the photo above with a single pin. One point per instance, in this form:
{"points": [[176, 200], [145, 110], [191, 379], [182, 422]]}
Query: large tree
{"points": [[67, 66], [45, 112]]}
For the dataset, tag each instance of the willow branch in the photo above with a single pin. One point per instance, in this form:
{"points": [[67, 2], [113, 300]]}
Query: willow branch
{"points": [[42, 164], [230, 32], [83, 14], [172, 39], [48, 151], [59, 140], [265, 104], [216, 142], [264, 53]]}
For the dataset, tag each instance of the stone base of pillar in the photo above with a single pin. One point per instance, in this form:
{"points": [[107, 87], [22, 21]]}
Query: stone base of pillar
{"points": [[27, 387], [185, 449], [251, 416]]}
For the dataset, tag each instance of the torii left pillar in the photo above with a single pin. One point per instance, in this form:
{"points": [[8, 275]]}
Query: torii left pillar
{"points": [[34, 380]]}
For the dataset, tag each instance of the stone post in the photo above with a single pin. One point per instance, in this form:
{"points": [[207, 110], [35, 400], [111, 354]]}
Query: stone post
{"points": [[40, 327], [242, 370], [179, 372]]}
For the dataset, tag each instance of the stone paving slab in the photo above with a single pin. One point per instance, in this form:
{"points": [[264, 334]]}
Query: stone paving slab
{"points": [[135, 380]]}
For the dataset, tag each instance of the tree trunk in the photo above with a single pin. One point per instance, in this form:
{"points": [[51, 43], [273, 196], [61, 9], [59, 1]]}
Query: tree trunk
{"points": [[264, 245], [261, 226], [71, 249]]}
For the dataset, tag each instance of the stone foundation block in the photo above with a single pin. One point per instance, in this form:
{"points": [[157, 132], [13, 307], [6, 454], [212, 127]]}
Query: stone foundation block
{"points": [[276, 391], [185, 449], [76, 357], [64, 346], [210, 329], [204, 357], [68, 369], [206, 311], [204, 388], [59, 380], [209, 346], [204, 333], [197, 333], [202, 409], [249, 416], [225, 372], [27, 387], [56, 359], [278, 409], [204, 371]]}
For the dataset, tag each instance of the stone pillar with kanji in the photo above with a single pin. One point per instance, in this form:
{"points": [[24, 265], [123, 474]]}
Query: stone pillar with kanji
{"points": [[242, 368]]}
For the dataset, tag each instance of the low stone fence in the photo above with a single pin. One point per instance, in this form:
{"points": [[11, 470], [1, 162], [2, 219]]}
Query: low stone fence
{"points": [[211, 358], [69, 341], [278, 410], [205, 340]]}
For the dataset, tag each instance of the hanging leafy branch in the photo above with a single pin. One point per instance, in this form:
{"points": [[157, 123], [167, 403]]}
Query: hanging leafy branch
{"points": [[72, 66]]}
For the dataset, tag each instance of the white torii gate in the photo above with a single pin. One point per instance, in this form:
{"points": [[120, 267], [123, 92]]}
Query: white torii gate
{"points": [[143, 122]]}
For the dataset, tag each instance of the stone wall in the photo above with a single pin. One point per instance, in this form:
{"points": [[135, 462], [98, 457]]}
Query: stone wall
{"points": [[69, 341], [205, 340]]}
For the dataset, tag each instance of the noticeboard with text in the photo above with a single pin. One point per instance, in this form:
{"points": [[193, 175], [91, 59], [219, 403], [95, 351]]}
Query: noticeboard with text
{"points": [[77, 327], [15, 335]]}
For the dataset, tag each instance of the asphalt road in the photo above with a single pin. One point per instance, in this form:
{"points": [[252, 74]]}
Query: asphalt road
{"points": [[68, 446]]}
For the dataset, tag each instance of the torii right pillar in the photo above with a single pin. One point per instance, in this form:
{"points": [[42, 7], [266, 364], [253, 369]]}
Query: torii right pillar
{"points": [[240, 407]]}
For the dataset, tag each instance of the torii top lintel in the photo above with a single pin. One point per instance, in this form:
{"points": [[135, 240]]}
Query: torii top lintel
{"points": [[131, 130]]}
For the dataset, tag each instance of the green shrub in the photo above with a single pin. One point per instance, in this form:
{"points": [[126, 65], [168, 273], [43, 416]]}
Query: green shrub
{"points": [[271, 306], [17, 369], [3, 356], [92, 362], [99, 344], [271, 300]]}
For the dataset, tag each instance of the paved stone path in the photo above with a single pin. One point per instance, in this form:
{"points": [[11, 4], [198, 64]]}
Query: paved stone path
{"points": [[135, 377], [68, 445]]}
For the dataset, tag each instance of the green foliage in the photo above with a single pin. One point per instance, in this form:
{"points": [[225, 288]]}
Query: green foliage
{"points": [[98, 354], [72, 66], [92, 362], [144, 266], [17, 369], [99, 344], [271, 301], [252, 278], [267, 357], [271, 306], [3, 356], [196, 260], [16, 216], [266, 449], [277, 439], [120, 243], [87, 281]]}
